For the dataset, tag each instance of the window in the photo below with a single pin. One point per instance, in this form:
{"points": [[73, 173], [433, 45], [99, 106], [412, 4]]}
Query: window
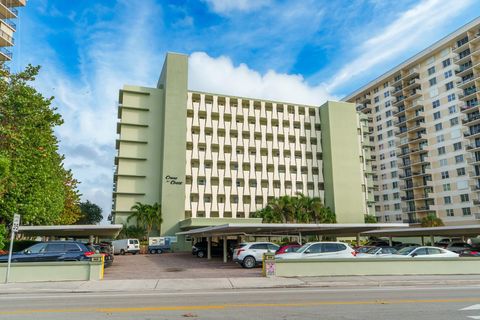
{"points": [[459, 159], [449, 85], [441, 150], [379, 137], [438, 127], [389, 123], [388, 113], [461, 172], [448, 74], [451, 97], [396, 195], [443, 162], [376, 99], [379, 118], [397, 206], [390, 133], [386, 94], [436, 115], [395, 185], [450, 213], [445, 175], [379, 127], [377, 109], [387, 104], [385, 84], [431, 71], [446, 187], [466, 211], [433, 81], [457, 146], [259, 246], [71, 247], [385, 197], [452, 109], [447, 200], [464, 198], [436, 104], [394, 174], [440, 138], [446, 63], [55, 247]]}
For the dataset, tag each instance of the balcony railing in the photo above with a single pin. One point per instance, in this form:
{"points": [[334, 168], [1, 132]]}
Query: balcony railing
{"points": [[5, 35], [6, 52]]}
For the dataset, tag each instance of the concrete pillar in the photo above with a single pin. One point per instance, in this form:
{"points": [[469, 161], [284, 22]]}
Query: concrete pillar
{"points": [[224, 249], [209, 248], [358, 239], [390, 241], [432, 240], [91, 239], [423, 240], [300, 238]]}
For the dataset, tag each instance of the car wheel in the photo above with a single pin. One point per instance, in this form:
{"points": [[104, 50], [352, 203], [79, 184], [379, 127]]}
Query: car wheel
{"points": [[159, 251], [249, 262], [134, 252], [122, 252], [201, 254], [152, 251]]}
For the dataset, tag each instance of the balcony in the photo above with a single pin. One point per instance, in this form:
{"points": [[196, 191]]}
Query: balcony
{"points": [[5, 55], [468, 94], [14, 3], [7, 13], [364, 107], [412, 73], [364, 99], [397, 92], [460, 48], [412, 84], [471, 119], [468, 82], [413, 94], [469, 108], [400, 109], [6, 40]]}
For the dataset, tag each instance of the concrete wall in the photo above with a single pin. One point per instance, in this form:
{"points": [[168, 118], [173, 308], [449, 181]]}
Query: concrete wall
{"points": [[342, 167], [381, 266], [53, 271]]}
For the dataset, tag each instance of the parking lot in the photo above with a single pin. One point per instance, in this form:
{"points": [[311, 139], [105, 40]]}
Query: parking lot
{"points": [[175, 266]]}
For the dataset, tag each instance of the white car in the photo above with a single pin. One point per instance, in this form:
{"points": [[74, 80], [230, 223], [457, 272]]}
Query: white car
{"points": [[250, 254], [314, 250], [423, 252], [376, 252]]}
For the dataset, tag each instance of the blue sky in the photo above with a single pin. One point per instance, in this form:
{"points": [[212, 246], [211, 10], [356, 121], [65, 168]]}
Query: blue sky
{"points": [[301, 51]]}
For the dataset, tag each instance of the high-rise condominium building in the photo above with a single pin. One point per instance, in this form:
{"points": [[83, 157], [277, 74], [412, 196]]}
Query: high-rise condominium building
{"points": [[425, 125], [8, 12], [209, 158]]}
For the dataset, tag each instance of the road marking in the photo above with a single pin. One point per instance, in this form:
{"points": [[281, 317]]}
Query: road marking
{"points": [[472, 307], [234, 306], [474, 317]]}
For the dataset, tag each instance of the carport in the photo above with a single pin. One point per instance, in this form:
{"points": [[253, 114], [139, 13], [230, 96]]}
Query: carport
{"points": [[109, 231], [445, 231], [279, 229]]}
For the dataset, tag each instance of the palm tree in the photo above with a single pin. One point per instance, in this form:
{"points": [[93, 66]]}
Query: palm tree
{"points": [[157, 214], [432, 221]]}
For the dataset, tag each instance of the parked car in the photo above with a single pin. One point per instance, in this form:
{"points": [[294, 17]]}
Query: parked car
{"points": [[363, 249], [106, 252], [313, 250], [377, 252], [458, 246], [470, 253], [123, 246], [200, 249], [423, 252], [288, 248], [250, 254], [53, 251], [443, 243], [405, 245]]}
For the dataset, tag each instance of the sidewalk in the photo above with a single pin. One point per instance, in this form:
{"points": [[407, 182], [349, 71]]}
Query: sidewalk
{"points": [[191, 285]]}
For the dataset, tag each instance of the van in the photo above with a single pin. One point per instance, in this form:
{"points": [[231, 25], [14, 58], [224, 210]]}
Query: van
{"points": [[123, 246]]}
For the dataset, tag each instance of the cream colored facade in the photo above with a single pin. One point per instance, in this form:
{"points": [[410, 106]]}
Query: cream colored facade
{"points": [[425, 128], [8, 12], [209, 157]]}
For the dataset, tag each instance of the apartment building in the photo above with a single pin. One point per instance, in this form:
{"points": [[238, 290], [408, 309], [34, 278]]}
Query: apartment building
{"points": [[8, 12], [209, 158], [425, 126]]}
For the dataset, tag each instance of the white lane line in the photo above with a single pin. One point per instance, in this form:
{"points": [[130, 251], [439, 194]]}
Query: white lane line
{"points": [[474, 317], [472, 307]]}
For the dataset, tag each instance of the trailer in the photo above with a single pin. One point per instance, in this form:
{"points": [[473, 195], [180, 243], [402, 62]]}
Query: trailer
{"points": [[160, 244]]}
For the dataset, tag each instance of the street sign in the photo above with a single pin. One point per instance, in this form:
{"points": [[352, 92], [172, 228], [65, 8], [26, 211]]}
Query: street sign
{"points": [[16, 222], [15, 225]]}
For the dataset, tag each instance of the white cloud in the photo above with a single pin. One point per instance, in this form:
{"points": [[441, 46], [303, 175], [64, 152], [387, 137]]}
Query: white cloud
{"points": [[219, 75], [227, 6], [411, 26]]}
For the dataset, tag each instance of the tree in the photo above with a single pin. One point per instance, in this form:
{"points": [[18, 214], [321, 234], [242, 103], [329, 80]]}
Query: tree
{"points": [[4, 172], [158, 219], [147, 216], [135, 232], [90, 213], [368, 218], [3, 234], [37, 185], [432, 220]]}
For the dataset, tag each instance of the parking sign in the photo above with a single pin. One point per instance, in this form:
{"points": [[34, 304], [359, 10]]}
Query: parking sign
{"points": [[16, 222]]}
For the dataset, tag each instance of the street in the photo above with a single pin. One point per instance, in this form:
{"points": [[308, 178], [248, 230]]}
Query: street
{"points": [[432, 302]]}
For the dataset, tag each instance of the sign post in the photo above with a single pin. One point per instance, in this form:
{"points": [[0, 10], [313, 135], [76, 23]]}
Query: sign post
{"points": [[15, 225]]}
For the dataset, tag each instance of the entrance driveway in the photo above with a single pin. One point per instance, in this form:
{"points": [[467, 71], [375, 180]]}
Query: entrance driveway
{"points": [[179, 265]]}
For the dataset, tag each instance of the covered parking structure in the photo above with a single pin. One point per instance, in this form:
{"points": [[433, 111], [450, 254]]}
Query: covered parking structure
{"points": [[284, 229], [91, 232], [445, 231]]}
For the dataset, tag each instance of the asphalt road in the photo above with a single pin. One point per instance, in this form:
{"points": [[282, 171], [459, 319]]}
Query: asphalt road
{"points": [[316, 303]]}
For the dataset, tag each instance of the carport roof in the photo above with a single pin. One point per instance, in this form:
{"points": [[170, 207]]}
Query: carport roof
{"points": [[107, 231], [338, 229], [448, 231]]}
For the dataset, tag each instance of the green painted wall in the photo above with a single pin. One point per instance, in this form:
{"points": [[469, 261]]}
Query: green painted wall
{"points": [[342, 171], [173, 80]]}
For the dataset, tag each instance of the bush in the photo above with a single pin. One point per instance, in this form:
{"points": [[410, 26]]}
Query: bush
{"points": [[3, 233]]}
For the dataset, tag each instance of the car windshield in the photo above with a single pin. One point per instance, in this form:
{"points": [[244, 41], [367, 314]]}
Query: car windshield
{"points": [[405, 251], [303, 248], [372, 250]]}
